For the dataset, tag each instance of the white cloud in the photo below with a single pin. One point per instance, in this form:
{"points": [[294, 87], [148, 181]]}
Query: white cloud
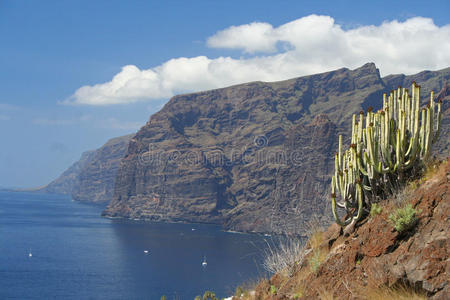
{"points": [[253, 37], [304, 46]]}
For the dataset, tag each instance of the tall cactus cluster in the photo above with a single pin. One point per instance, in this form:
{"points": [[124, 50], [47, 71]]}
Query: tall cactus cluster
{"points": [[387, 147]]}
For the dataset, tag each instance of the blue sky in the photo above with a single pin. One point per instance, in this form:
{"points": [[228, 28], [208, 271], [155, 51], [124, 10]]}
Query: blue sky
{"points": [[76, 73]]}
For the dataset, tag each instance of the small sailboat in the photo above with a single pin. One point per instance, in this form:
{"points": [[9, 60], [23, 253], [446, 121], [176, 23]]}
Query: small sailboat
{"points": [[204, 263], [30, 254]]}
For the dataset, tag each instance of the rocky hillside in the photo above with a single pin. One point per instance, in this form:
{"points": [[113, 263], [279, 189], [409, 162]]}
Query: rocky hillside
{"points": [[91, 179], [376, 261], [253, 157]]}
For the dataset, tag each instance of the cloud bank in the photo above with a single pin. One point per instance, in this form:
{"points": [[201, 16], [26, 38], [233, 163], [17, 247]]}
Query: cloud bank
{"points": [[305, 46]]}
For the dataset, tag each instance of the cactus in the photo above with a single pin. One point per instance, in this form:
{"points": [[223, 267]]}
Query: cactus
{"points": [[386, 148]]}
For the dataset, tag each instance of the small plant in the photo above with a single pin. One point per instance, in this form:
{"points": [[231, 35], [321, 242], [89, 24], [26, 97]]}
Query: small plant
{"points": [[375, 209], [404, 218], [239, 291], [209, 296], [273, 289], [315, 261], [298, 295], [283, 255], [413, 185]]}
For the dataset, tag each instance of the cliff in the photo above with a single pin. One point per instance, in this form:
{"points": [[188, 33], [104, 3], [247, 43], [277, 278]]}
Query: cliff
{"points": [[376, 261], [65, 182], [91, 179], [253, 157]]}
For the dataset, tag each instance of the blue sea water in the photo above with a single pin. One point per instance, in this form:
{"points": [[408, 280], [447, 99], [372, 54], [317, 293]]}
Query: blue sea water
{"points": [[76, 254]]}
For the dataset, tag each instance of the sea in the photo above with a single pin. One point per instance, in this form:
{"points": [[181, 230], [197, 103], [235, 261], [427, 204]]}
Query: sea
{"points": [[52, 247]]}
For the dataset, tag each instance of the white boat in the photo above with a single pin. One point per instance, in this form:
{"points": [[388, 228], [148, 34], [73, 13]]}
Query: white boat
{"points": [[30, 254], [146, 251], [204, 263]]}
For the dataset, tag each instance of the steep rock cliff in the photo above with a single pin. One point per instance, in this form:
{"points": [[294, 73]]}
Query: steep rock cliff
{"points": [[65, 182], [254, 157], [91, 179]]}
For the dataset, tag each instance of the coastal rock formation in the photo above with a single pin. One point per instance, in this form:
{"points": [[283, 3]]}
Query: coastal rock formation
{"points": [[91, 179], [65, 182], [253, 157]]}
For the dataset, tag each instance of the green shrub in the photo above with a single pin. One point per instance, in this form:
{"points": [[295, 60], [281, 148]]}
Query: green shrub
{"points": [[273, 290], [375, 209], [404, 218], [315, 261], [209, 296]]}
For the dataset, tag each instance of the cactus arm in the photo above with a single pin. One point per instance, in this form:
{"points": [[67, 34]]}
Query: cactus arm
{"points": [[439, 121]]}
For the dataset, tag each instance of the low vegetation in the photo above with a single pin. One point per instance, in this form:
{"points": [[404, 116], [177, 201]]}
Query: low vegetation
{"points": [[207, 296], [315, 261], [404, 218], [395, 293], [283, 255], [273, 290], [375, 209]]}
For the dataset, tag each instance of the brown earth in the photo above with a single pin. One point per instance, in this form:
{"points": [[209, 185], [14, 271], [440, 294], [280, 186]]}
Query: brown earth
{"points": [[377, 256]]}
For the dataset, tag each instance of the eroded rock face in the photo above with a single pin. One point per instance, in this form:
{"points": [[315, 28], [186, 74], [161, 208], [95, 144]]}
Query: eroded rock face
{"points": [[95, 181], [91, 179], [253, 157]]}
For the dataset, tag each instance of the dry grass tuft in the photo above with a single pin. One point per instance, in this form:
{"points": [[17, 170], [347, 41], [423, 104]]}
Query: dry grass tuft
{"points": [[398, 293], [401, 197], [282, 256], [325, 295], [431, 169], [316, 239]]}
